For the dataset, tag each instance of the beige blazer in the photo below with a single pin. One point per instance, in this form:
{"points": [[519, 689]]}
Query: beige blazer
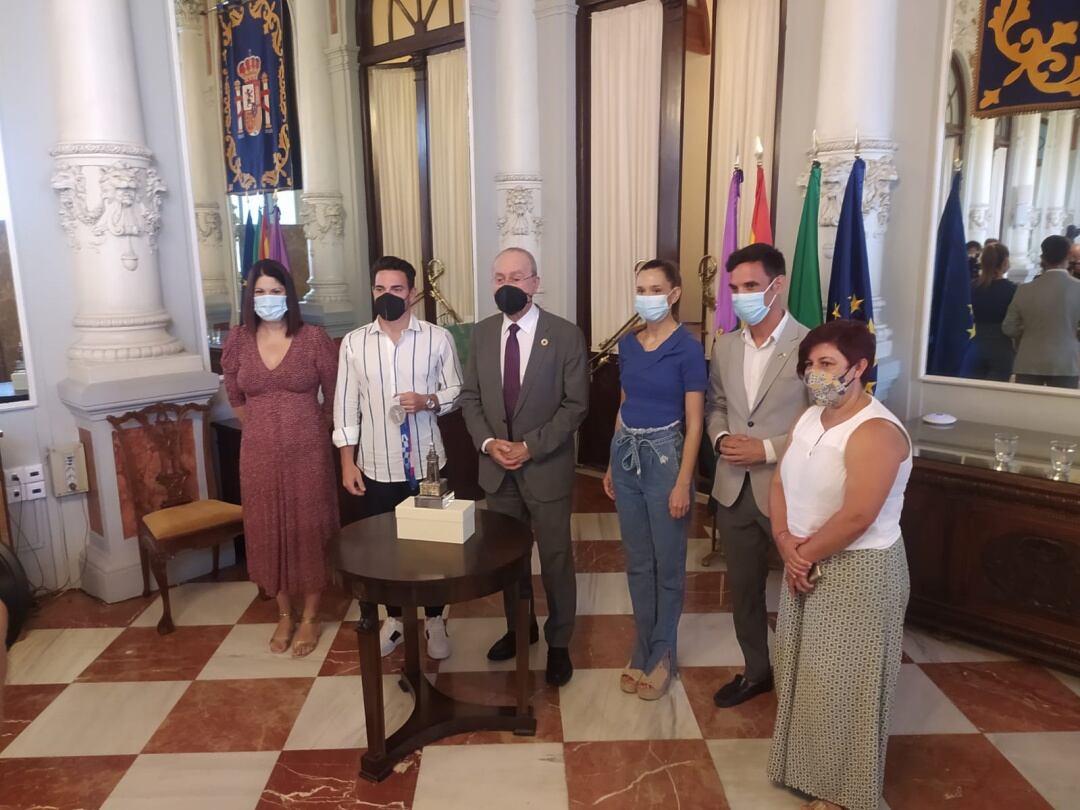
{"points": [[781, 398]]}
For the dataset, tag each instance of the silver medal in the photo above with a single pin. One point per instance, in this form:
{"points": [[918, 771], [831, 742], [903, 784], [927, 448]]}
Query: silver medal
{"points": [[396, 414]]}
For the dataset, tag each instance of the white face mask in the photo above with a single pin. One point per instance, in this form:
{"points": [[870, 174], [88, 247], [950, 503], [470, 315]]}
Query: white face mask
{"points": [[652, 307], [271, 307], [751, 307]]}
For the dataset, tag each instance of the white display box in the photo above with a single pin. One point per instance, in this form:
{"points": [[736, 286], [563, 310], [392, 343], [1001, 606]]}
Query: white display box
{"points": [[454, 524]]}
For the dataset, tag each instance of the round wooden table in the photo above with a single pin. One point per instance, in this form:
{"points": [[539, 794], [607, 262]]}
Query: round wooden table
{"points": [[378, 568]]}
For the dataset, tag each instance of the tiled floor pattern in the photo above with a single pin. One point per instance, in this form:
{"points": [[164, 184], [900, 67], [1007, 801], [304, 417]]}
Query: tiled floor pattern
{"points": [[103, 713]]}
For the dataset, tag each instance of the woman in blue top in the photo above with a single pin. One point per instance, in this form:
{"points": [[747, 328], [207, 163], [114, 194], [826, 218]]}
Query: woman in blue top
{"points": [[651, 473]]}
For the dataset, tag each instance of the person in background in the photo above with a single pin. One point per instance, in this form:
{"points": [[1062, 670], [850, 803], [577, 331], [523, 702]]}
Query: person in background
{"points": [[274, 367], [396, 375], [1044, 317], [651, 473], [525, 395], [990, 354], [1074, 260], [974, 250], [754, 398], [836, 501]]}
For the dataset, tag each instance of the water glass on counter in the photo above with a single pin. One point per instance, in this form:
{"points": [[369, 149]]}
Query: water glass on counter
{"points": [[1062, 453], [1005, 445]]}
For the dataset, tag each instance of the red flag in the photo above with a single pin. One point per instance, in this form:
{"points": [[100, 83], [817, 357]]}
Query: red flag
{"points": [[760, 227]]}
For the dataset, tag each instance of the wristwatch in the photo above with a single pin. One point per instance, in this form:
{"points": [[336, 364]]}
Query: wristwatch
{"points": [[432, 402]]}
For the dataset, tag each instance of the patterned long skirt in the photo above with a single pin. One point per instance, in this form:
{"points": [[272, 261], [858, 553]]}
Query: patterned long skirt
{"points": [[837, 658]]}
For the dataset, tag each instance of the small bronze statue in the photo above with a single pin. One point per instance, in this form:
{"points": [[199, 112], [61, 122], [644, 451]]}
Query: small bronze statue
{"points": [[434, 491]]}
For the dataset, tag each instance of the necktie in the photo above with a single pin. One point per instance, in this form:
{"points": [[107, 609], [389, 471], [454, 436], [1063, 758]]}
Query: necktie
{"points": [[511, 376]]}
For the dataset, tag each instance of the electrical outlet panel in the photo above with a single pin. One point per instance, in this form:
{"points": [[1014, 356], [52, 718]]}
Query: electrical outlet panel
{"points": [[33, 491], [33, 474], [15, 476], [67, 467], [14, 493]]}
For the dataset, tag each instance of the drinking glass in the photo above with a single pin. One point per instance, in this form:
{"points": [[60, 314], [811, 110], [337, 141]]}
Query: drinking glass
{"points": [[1005, 448], [1061, 457]]}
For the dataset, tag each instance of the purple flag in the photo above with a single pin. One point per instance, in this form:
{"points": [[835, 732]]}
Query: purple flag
{"points": [[725, 312], [277, 240]]}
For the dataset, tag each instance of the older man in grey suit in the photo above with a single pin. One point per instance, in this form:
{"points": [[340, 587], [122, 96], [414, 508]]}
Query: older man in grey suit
{"points": [[754, 398], [1044, 316], [525, 394]]}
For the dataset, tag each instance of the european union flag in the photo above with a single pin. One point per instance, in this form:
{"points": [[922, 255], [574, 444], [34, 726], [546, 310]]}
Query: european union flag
{"points": [[951, 323], [849, 284]]}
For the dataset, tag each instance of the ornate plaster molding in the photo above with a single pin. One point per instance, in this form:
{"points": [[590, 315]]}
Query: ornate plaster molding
{"points": [[880, 176], [518, 217], [979, 217], [135, 321], [847, 145], [111, 148], [1025, 216], [115, 199], [114, 352], [552, 8], [965, 33], [190, 13], [1057, 218], [342, 58], [323, 216], [209, 223]]}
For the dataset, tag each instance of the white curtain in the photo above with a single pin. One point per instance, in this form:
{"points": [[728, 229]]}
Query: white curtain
{"points": [[744, 107], [624, 150], [392, 92], [451, 193]]}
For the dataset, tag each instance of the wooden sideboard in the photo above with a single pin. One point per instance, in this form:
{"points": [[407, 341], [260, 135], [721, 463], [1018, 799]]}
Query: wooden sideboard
{"points": [[994, 554]]}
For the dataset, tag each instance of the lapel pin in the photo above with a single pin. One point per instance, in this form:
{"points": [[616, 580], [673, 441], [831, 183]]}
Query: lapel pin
{"points": [[544, 341]]}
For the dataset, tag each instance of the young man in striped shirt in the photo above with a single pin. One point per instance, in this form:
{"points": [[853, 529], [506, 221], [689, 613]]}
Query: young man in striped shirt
{"points": [[396, 375]]}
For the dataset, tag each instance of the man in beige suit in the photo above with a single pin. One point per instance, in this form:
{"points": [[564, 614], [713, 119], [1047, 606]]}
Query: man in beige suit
{"points": [[754, 398], [525, 394]]}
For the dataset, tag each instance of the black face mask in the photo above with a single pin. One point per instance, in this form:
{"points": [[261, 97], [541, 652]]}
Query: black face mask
{"points": [[389, 307], [511, 299]]}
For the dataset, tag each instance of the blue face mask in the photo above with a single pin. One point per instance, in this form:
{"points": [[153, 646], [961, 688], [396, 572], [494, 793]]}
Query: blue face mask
{"points": [[271, 307], [652, 307], [751, 307]]}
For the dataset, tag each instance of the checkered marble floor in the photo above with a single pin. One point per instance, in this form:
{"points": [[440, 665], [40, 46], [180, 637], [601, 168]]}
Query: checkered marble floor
{"points": [[104, 713]]}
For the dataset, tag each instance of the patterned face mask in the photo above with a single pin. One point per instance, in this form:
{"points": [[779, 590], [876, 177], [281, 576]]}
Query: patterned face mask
{"points": [[826, 389]]}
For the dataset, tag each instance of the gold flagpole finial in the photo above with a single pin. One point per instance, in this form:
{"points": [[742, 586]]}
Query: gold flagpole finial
{"points": [[759, 149], [857, 155], [813, 145], [738, 164]]}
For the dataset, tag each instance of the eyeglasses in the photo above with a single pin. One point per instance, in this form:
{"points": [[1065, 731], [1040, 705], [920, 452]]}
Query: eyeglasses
{"points": [[515, 280]]}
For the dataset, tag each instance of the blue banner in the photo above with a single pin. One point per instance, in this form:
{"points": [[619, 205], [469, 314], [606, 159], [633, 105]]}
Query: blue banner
{"points": [[1028, 57], [262, 146], [849, 285], [952, 325]]}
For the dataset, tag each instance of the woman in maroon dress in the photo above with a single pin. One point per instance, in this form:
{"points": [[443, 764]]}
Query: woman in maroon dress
{"points": [[274, 366]]}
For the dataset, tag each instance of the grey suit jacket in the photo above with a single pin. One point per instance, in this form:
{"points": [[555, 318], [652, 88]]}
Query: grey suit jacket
{"points": [[781, 398], [1045, 316], [553, 402]]}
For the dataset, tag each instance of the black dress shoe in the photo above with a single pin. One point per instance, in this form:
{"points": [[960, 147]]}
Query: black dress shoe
{"points": [[506, 647], [740, 690], [559, 668]]}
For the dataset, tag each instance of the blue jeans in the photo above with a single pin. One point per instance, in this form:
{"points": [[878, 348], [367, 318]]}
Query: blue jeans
{"points": [[644, 468]]}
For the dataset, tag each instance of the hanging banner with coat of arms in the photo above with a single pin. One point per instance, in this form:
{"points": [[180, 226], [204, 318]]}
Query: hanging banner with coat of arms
{"points": [[262, 143], [1028, 57]]}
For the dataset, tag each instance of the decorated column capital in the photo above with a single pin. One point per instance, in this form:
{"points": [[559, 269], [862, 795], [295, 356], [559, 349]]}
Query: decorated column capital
{"points": [[836, 158], [190, 14], [323, 216], [519, 207]]}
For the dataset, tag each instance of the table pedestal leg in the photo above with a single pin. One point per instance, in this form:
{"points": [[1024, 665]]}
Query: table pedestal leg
{"points": [[367, 634], [521, 632]]}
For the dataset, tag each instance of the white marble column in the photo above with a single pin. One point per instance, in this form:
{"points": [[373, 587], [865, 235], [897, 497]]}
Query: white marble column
{"points": [[518, 181], [977, 174], [1054, 177], [110, 199], [1022, 215], [203, 121], [855, 95], [322, 209]]}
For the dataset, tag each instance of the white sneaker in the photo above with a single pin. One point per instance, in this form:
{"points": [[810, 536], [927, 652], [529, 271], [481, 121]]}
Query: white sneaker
{"points": [[391, 635], [438, 643]]}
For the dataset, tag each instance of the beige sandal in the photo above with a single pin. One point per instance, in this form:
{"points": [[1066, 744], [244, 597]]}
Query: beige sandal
{"points": [[629, 679], [654, 685], [279, 644], [304, 648]]}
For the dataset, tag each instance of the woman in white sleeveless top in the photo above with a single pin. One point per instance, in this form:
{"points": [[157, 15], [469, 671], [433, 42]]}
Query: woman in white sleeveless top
{"points": [[835, 502]]}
